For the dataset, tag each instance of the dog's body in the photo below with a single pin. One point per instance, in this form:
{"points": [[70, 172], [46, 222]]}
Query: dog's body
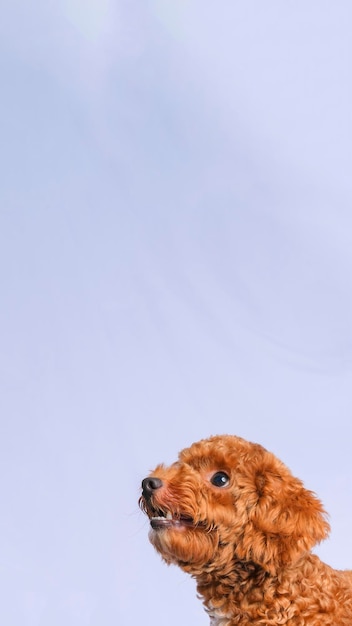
{"points": [[232, 515]]}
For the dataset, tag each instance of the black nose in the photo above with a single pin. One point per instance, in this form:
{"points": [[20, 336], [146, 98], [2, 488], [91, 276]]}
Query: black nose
{"points": [[150, 484]]}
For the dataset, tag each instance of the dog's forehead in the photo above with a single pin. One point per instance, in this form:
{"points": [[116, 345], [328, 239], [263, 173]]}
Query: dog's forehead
{"points": [[217, 451]]}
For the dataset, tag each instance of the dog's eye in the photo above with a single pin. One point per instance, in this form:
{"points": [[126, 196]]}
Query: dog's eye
{"points": [[220, 479]]}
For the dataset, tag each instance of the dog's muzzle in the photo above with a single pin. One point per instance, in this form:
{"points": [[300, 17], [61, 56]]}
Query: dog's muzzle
{"points": [[160, 517]]}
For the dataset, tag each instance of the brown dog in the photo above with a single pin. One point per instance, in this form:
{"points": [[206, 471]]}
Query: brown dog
{"points": [[229, 513]]}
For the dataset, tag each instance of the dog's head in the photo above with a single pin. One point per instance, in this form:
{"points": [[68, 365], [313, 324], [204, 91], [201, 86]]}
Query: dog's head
{"points": [[227, 499]]}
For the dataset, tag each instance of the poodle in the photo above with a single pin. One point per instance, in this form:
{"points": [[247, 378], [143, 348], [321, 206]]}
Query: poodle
{"points": [[230, 514]]}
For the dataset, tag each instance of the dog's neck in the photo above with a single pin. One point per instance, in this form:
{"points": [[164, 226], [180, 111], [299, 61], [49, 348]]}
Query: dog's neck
{"points": [[241, 573], [218, 589]]}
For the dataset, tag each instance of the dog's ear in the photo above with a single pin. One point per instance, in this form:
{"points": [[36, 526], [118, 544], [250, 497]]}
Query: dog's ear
{"points": [[285, 519]]}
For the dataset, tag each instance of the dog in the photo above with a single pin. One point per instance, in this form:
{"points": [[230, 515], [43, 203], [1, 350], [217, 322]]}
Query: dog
{"points": [[232, 515]]}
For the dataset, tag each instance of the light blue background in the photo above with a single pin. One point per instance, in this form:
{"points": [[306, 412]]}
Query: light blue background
{"points": [[176, 251]]}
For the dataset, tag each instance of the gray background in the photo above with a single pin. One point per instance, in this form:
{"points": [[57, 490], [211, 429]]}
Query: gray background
{"points": [[175, 242]]}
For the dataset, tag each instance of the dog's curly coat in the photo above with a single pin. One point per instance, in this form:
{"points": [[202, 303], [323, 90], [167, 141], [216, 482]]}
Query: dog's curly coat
{"points": [[231, 514]]}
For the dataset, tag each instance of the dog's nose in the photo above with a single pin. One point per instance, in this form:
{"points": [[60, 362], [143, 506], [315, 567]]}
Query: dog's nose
{"points": [[150, 484]]}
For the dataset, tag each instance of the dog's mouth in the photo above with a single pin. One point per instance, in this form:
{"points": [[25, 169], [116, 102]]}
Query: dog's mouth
{"points": [[165, 519]]}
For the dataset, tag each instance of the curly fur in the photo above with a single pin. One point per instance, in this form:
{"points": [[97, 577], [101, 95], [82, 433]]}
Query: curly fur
{"points": [[247, 541]]}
